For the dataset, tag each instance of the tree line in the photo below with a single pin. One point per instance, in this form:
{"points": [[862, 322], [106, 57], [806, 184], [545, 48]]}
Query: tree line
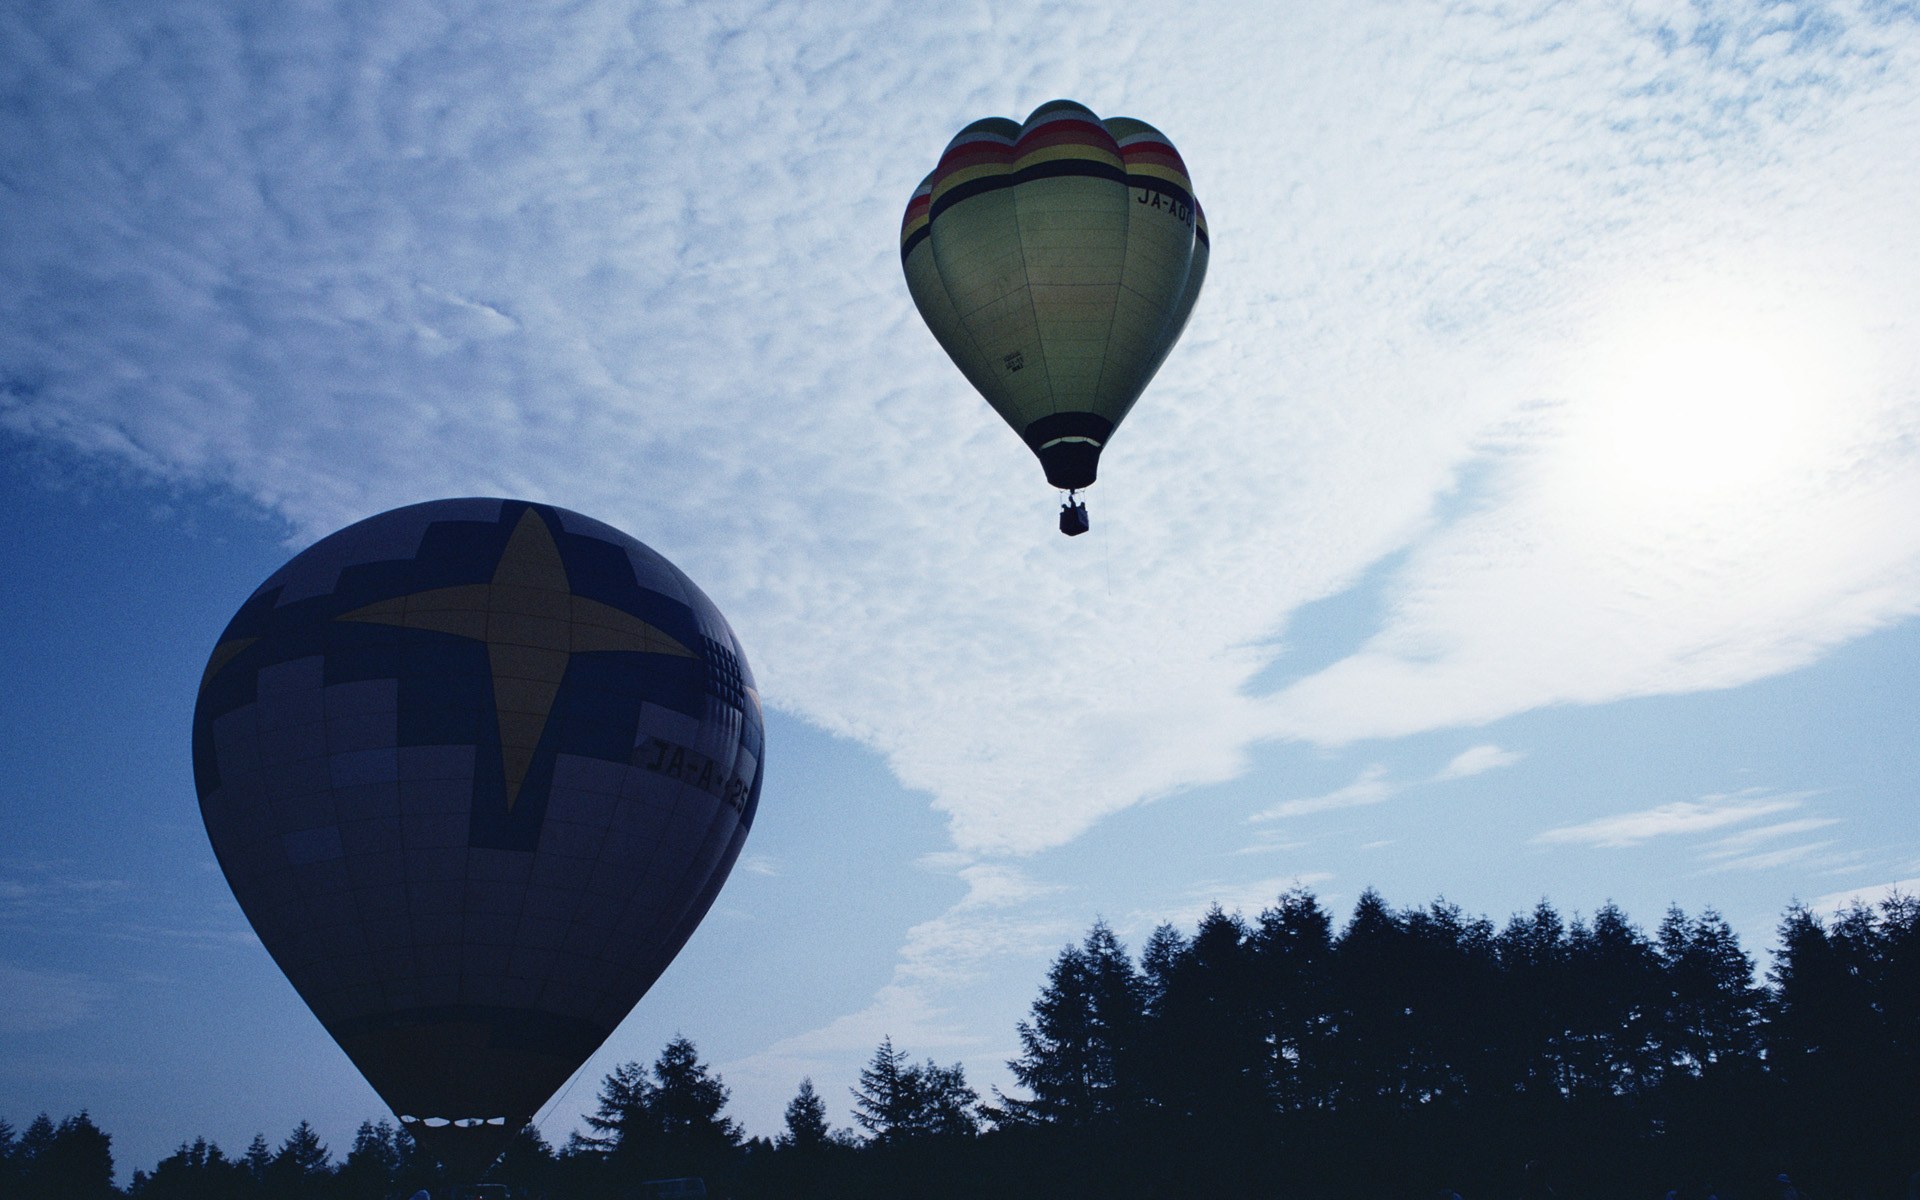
{"points": [[1411, 1052]]}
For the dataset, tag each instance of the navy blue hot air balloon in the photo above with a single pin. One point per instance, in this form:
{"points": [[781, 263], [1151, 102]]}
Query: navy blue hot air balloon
{"points": [[475, 769]]}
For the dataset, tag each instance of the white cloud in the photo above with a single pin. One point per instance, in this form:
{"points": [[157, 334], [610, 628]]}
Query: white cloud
{"points": [[1269, 841], [1746, 840], [1670, 820], [1372, 787], [1871, 895], [1811, 854], [1477, 760], [640, 260], [1000, 885]]}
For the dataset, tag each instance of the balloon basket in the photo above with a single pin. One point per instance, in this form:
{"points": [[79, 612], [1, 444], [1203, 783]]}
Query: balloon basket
{"points": [[1073, 519]]}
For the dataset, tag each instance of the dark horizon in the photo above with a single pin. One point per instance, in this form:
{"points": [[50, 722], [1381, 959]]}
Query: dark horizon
{"points": [[1415, 1051]]}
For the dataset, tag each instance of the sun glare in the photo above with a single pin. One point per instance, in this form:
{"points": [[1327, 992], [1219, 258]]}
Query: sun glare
{"points": [[1694, 413], [1706, 401]]}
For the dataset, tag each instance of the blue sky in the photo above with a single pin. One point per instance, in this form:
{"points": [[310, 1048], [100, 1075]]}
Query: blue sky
{"points": [[1528, 509]]}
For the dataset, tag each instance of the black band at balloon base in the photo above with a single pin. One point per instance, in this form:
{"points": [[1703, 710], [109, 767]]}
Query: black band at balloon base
{"points": [[1068, 445], [1070, 465]]}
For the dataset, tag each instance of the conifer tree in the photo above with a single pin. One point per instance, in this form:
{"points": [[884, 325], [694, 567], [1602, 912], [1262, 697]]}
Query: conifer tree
{"points": [[70, 1161], [301, 1166], [807, 1131], [1615, 1000], [9, 1160], [258, 1158], [948, 1105], [687, 1098], [1532, 953], [621, 1109], [1058, 1060], [373, 1164], [888, 1098], [527, 1167], [33, 1156], [1712, 1006], [1079, 1049]]}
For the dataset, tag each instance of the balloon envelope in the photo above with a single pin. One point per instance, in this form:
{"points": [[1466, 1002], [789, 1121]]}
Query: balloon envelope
{"points": [[1057, 262], [475, 769]]}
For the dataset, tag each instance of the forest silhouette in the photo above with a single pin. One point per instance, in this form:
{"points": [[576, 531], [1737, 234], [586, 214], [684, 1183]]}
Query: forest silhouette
{"points": [[1418, 1052]]}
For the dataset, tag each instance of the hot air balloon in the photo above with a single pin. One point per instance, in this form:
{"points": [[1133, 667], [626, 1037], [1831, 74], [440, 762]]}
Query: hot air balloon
{"points": [[1057, 262], [475, 769]]}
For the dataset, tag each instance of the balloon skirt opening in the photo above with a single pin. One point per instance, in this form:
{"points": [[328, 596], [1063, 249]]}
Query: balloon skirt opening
{"points": [[1070, 465]]}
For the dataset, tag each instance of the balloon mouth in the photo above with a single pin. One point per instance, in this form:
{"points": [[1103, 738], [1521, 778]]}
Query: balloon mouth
{"points": [[1068, 446], [467, 1146]]}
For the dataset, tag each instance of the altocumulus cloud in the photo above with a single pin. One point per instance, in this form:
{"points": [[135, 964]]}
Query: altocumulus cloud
{"points": [[640, 260]]}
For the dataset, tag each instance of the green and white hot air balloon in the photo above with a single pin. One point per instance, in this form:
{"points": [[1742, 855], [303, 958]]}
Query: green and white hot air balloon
{"points": [[1057, 262]]}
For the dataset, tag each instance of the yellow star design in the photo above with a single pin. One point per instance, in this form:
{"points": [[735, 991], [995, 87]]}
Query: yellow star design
{"points": [[533, 625]]}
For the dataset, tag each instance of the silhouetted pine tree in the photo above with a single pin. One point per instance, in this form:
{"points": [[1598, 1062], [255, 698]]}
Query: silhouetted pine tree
{"points": [[806, 1155], [949, 1107], [666, 1122], [1450, 994], [69, 1161], [1712, 1015], [301, 1167], [1079, 1051], [1615, 1000], [1292, 951], [527, 1168], [373, 1163], [196, 1171], [620, 1110], [888, 1098], [9, 1162], [1369, 1054], [1840, 1043], [31, 1156], [258, 1158], [806, 1130], [1532, 955], [1209, 1028]]}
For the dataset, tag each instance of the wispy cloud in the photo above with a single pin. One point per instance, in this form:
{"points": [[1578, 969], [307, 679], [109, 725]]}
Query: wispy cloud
{"points": [[1870, 895], [1477, 760], [1372, 787], [1269, 841], [206, 937], [1811, 854], [1001, 885], [1670, 820], [48, 893], [1741, 851], [1747, 839], [35, 1000]]}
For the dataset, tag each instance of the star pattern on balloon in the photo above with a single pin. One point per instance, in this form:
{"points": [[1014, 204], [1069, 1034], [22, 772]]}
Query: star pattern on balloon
{"points": [[532, 623]]}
